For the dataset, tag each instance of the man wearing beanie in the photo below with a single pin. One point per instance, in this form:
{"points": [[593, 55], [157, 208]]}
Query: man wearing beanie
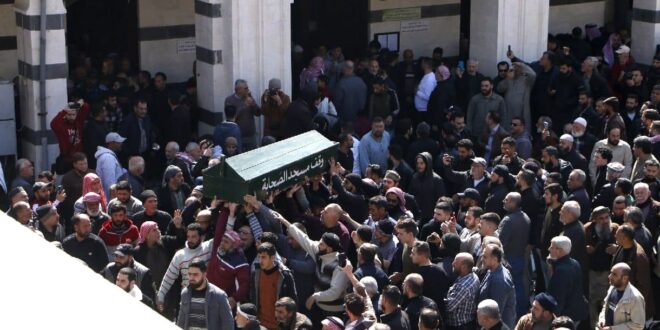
{"points": [[228, 268], [332, 282], [49, 223], [274, 103], [541, 315], [151, 212], [172, 195]]}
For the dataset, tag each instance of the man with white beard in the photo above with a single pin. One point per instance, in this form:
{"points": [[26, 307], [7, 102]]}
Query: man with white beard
{"points": [[600, 241], [92, 204]]}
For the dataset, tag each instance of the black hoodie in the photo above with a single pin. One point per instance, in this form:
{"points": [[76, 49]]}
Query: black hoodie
{"points": [[427, 187]]}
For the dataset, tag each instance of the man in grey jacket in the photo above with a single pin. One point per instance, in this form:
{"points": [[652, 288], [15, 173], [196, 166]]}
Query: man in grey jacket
{"points": [[514, 230], [203, 305], [516, 89], [350, 94]]}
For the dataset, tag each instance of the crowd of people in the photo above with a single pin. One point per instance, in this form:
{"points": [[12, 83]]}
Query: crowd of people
{"points": [[529, 200]]}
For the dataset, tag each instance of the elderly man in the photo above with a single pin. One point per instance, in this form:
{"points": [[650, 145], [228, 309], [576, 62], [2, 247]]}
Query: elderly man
{"points": [[171, 156], [624, 305], [516, 89], [489, 317], [514, 235], [476, 177], [498, 284], [599, 234], [134, 175], [583, 140], [246, 111], [541, 315], [649, 207], [621, 153], [606, 194], [566, 281], [349, 94], [568, 152], [172, 195], [578, 193], [568, 216], [594, 83]]}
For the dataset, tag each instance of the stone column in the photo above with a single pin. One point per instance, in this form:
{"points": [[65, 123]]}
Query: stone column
{"points": [[239, 39], [645, 30], [496, 24], [28, 46], [8, 67]]}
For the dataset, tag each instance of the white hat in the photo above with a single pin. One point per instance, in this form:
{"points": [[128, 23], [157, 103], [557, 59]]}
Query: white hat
{"points": [[114, 137], [581, 121], [567, 137], [623, 50], [615, 167]]}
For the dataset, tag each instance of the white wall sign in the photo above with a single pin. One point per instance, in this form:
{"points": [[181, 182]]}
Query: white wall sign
{"points": [[185, 46], [414, 26]]}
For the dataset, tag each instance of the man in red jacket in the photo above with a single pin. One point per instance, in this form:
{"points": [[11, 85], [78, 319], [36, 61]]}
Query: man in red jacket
{"points": [[68, 128], [118, 229], [228, 269]]}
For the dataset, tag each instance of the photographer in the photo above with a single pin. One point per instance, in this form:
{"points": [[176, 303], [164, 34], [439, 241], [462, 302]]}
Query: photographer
{"points": [[274, 103]]}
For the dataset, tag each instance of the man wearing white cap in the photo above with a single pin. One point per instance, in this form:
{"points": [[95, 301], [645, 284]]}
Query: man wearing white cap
{"points": [[568, 152], [621, 153], [583, 141], [107, 163], [624, 63]]}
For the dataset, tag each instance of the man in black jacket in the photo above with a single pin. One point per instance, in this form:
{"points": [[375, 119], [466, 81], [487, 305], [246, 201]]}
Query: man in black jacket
{"points": [[606, 194], [573, 229], [552, 163], [578, 193], [509, 156], [124, 258], [476, 177], [426, 185], [268, 272], [566, 281], [298, 118], [570, 154], [392, 314], [413, 289]]}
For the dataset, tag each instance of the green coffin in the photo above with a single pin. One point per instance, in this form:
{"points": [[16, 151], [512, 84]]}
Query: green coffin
{"points": [[275, 166]]}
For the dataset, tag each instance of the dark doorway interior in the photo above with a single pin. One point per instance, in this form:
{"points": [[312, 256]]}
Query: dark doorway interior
{"points": [[464, 46], [101, 27], [331, 22]]}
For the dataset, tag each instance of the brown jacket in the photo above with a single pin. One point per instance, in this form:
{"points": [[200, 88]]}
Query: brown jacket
{"points": [[274, 114], [526, 323]]}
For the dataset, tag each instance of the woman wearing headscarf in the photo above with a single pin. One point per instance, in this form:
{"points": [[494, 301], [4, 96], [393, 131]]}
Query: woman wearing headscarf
{"points": [[91, 183]]}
